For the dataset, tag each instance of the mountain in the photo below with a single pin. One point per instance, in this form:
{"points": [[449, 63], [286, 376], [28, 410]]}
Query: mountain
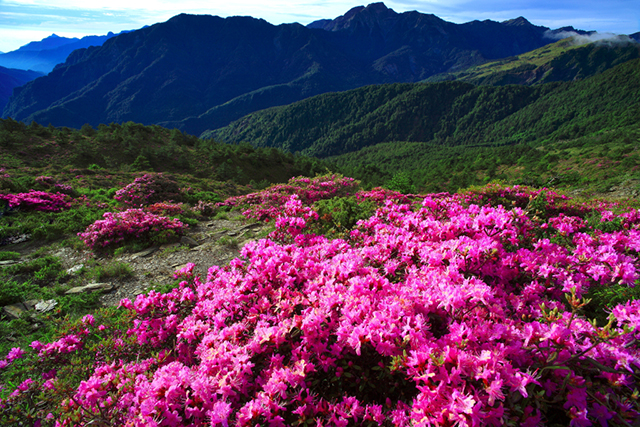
{"points": [[573, 58], [45, 54], [202, 72], [448, 113], [10, 78]]}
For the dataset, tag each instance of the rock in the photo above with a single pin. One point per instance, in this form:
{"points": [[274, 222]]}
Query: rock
{"points": [[15, 311], [145, 253], [45, 306], [186, 240], [75, 269], [12, 240], [92, 287]]}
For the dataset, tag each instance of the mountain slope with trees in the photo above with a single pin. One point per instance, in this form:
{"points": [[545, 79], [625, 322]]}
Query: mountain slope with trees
{"points": [[10, 78], [447, 113], [449, 135], [202, 72]]}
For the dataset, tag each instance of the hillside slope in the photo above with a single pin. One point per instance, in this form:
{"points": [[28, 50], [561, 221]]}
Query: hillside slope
{"points": [[566, 60], [10, 78], [447, 113]]}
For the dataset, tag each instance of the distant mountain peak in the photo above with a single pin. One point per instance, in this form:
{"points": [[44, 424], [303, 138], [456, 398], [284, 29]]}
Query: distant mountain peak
{"points": [[372, 14], [519, 21]]}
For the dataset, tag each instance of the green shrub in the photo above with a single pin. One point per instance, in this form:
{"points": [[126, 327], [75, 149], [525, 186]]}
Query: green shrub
{"points": [[204, 196], [7, 255], [12, 292], [604, 298], [49, 263], [402, 182], [112, 270], [595, 221], [339, 215], [227, 241]]}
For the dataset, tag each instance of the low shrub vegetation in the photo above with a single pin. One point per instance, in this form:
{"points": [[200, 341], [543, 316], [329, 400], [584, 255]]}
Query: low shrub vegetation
{"points": [[502, 305]]}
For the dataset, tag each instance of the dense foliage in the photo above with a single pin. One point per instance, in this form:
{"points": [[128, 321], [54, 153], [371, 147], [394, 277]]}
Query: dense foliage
{"points": [[447, 113], [149, 189], [36, 200], [450, 135], [267, 203], [444, 309]]}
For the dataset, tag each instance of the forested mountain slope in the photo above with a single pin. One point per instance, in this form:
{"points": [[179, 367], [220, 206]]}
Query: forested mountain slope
{"points": [[202, 72], [10, 78], [447, 113]]}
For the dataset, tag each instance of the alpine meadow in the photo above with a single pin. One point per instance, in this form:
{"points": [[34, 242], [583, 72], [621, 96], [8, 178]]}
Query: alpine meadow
{"points": [[382, 219]]}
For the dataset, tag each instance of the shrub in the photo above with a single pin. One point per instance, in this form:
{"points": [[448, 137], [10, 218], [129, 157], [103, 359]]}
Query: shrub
{"points": [[163, 208], [204, 208], [446, 312], [266, 204], [111, 270], [149, 189], [340, 214], [37, 201], [8, 255], [117, 229]]}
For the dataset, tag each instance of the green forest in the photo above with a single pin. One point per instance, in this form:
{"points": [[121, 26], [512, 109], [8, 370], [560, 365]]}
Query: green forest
{"points": [[448, 135]]}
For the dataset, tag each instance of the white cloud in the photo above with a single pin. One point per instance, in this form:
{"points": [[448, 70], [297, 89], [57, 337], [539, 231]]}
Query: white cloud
{"points": [[580, 39]]}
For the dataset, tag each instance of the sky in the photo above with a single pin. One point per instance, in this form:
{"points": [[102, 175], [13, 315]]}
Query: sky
{"points": [[23, 21]]}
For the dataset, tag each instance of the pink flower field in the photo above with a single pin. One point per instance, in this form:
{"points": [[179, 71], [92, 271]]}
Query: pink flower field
{"points": [[439, 310]]}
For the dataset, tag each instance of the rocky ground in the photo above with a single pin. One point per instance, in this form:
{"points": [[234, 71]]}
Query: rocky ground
{"points": [[212, 242]]}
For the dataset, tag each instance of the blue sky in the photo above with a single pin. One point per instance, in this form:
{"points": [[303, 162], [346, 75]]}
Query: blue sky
{"points": [[22, 21]]}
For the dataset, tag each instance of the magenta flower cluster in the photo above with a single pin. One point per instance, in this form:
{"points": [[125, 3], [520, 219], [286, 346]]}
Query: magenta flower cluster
{"points": [[148, 189], [37, 201], [439, 313], [266, 204], [118, 228]]}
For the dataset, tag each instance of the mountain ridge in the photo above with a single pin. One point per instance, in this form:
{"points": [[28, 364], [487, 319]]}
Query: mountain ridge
{"points": [[197, 72], [46, 54]]}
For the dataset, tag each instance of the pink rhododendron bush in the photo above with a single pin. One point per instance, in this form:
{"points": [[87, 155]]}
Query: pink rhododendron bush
{"points": [[37, 201], [440, 312], [137, 225], [149, 189], [267, 203]]}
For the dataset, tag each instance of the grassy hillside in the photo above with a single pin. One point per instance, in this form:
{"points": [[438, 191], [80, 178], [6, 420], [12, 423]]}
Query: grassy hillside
{"points": [[130, 147], [566, 60]]}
